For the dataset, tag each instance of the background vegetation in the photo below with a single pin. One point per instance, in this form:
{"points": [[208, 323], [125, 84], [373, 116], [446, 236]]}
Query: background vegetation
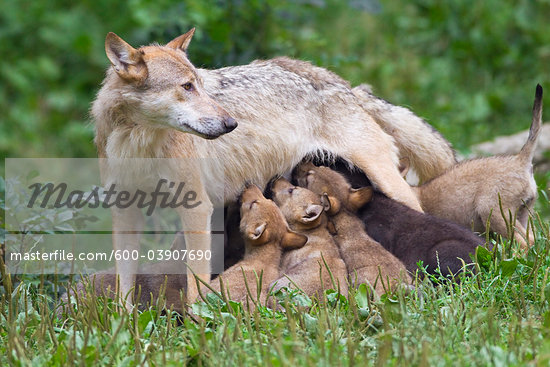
{"points": [[469, 67]]}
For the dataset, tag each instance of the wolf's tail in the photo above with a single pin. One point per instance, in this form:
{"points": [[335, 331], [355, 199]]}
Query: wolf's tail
{"points": [[528, 150], [429, 154]]}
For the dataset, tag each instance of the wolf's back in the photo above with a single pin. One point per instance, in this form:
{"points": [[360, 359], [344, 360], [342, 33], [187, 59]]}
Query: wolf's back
{"points": [[428, 152]]}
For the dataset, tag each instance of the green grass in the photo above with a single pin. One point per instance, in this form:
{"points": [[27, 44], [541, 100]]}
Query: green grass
{"points": [[499, 316]]}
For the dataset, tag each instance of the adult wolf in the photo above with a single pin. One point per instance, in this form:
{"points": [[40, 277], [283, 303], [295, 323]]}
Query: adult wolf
{"points": [[155, 103]]}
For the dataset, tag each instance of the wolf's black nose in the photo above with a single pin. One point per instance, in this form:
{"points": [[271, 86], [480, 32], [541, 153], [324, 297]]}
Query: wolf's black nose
{"points": [[230, 124]]}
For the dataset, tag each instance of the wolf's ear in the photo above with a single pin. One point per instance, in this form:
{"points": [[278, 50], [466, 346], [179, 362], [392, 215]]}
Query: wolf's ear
{"points": [[313, 212], [292, 240], [359, 197], [127, 61], [330, 203], [182, 42], [257, 233]]}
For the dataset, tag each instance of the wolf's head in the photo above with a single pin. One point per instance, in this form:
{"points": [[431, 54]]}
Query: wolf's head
{"points": [[160, 87]]}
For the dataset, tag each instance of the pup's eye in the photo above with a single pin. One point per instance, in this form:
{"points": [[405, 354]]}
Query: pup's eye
{"points": [[291, 190], [252, 203], [187, 86]]}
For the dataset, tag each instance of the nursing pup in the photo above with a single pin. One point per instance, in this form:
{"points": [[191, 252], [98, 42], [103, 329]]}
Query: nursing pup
{"points": [[367, 261], [266, 234], [472, 192], [317, 266], [409, 235]]}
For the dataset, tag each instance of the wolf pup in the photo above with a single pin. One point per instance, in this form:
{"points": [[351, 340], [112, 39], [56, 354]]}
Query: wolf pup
{"points": [[266, 235], [471, 192], [155, 104], [317, 266], [367, 261], [409, 235]]}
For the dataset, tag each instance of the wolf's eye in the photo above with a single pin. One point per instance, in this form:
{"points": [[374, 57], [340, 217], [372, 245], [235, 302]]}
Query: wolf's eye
{"points": [[291, 190], [187, 86]]}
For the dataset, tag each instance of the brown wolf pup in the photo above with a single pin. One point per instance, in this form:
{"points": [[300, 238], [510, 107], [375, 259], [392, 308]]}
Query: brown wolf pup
{"points": [[266, 235], [471, 192], [155, 104], [409, 235], [367, 261], [307, 267]]}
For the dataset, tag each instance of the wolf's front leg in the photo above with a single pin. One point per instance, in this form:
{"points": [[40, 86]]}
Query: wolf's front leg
{"points": [[127, 227], [197, 225]]}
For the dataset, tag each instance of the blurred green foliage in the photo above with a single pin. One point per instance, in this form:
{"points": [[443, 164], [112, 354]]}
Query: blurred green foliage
{"points": [[469, 67]]}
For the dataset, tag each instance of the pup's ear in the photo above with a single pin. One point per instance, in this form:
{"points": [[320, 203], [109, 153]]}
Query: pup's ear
{"points": [[404, 166], [359, 197], [313, 212], [182, 42], [292, 240], [330, 203], [256, 233], [127, 61]]}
